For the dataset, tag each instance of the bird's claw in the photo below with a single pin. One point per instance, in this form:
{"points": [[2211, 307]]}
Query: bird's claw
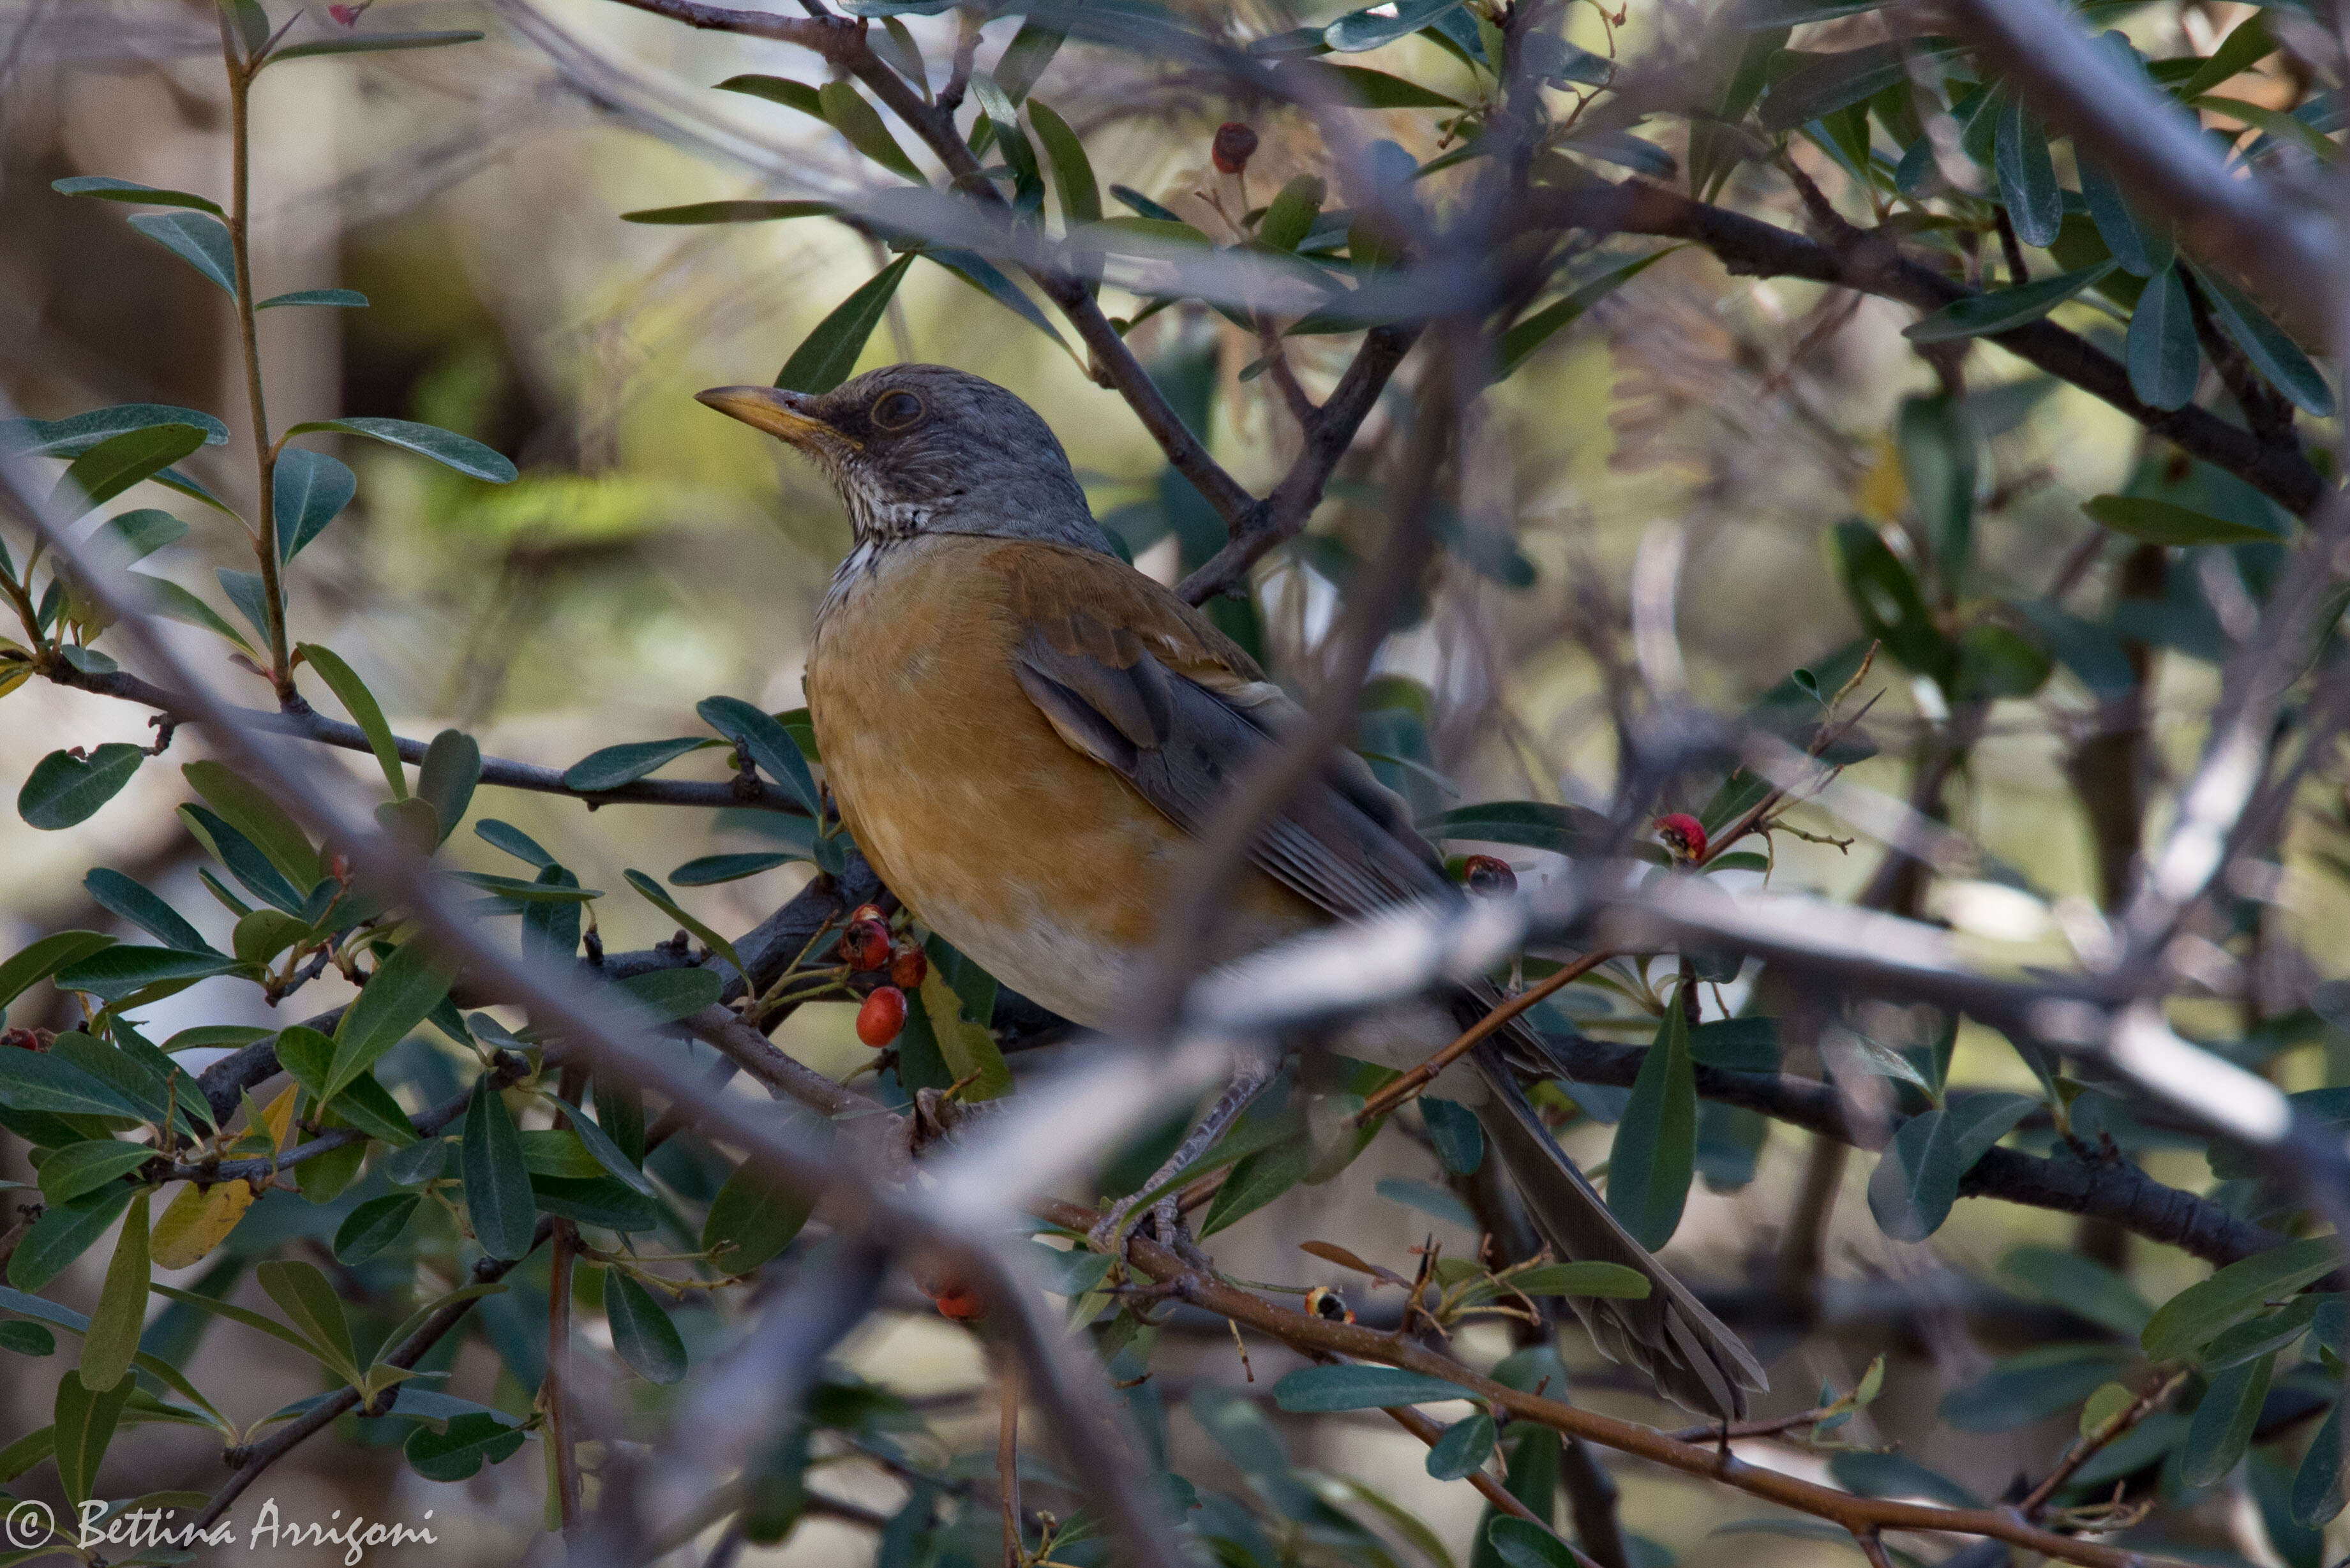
{"points": [[1165, 1218]]}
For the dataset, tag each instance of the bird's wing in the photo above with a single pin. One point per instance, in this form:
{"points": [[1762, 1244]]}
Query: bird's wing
{"points": [[1136, 679]]}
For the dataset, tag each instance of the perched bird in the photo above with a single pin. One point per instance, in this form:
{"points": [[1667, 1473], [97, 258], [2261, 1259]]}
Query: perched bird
{"points": [[1025, 733]]}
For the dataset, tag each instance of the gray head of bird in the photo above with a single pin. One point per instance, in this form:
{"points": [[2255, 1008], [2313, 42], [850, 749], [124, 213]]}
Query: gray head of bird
{"points": [[926, 449]]}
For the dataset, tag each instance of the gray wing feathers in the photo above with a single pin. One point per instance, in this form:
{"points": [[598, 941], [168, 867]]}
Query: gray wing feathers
{"points": [[1349, 848]]}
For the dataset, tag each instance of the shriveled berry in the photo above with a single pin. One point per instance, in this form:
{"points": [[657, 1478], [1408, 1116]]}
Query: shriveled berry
{"points": [[1683, 835], [1488, 877], [882, 1016], [868, 912], [866, 945], [1234, 145], [19, 1039], [908, 969]]}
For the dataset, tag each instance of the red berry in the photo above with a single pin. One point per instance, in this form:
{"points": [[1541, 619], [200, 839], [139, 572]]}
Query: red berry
{"points": [[883, 1014], [1683, 835], [1235, 144], [868, 912], [348, 16], [866, 945], [1488, 877], [960, 1301], [908, 969]]}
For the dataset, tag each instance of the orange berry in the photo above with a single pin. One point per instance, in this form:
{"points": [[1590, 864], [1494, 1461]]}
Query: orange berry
{"points": [[960, 1301], [881, 1017], [908, 969]]}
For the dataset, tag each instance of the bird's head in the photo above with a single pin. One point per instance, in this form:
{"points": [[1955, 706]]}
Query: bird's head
{"points": [[923, 449]]}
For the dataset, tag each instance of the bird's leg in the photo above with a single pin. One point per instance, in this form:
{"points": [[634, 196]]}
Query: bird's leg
{"points": [[1249, 1078]]}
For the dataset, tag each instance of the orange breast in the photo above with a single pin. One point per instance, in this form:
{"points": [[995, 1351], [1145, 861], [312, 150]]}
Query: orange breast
{"points": [[1041, 864]]}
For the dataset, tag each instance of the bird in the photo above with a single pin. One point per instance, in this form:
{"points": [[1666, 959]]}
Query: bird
{"points": [[1025, 735]]}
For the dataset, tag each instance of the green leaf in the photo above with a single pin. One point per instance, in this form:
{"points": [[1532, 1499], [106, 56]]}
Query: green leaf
{"points": [[1073, 171], [731, 211], [641, 1332], [2274, 355], [1519, 343], [124, 971], [1886, 599], [628, 761], [2143, 247], [458, 1452], [777, 90], [1256, 1181], [1824, 84], [361, 705], [45, 1081], [1611, 1280], [763, 739], [308, 490], [313, 1310], [2031, 1386], [447, 448], [308, 1058], [1436, 1202], [64, 1233], [197, 238], [339, 298], [74, 436], [845, 109], [1536, 824], [606, 1154], [244, 859], [401, 994], [445, 781], [1289, 216], [497, 1183], [27, 1339], [2318, 1487], [249, 809], [2081, 1285], [2027, 176], [246, 591], [105, 189], [826, 356], [2222, 1427], [506, 835], [1654, 1151], [1464, 1449], [1917, 1179], [117, 463], [1358, 31], [658, 896], [63, 789], [2164, 356], [596, 1201], [1521, 1543], [1364, 89], [376, 43], [2004, 309], [2240, 51], [120, 895], [81, 1167], [2164, 522], [1318, 1390], [113, 1335], [45, 958], [135, 535], [665, 995], [2204, 1310], [173, 602], [711, 869], [374, 1225], [989, 279], [752, 1219], [85, 1424]]}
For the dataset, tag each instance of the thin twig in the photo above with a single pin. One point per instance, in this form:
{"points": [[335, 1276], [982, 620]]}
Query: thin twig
{"points": [[1409, 1086]]}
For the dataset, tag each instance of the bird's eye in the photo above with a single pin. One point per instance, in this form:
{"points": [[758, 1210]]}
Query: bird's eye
{"points": [[897, 410]]}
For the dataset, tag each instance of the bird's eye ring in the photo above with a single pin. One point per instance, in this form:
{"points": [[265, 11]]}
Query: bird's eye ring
{"points": [[897, 410]]}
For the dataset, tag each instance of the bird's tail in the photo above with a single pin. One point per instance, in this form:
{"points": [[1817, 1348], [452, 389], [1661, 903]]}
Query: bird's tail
{"points": [[1697, 1362]]}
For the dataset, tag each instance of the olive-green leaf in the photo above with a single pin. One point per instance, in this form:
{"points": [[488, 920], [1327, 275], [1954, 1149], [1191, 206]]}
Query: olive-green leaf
{"points": [[2209, 1307], [751, 1219], [308, 490], [846, 110], [1317, 1391], [64, 1233], [117, 463], [43, 959], [364, 710], [249, 809], [113, 1336], [197, 238], [631, 759], [2273, 354], [642, 1331], [103, 188], [709, 869], [374, 1225], [1654, 1151], [85, 1426], [401, 994], [339, 298], [2027, 175], [1917, 1179], [761, 738], [1586, 1279], [497, 1182], [2319, 1486], [2003, 308], [2223, 1426], [445, 779], [80, 1167], [1073, 171], [63, 789], [377, 43], [312, 1309], [739, 212], [2167, 523], [777, 90], [2164, 356], [447, 448], [1465, 1447], [827, 355]]}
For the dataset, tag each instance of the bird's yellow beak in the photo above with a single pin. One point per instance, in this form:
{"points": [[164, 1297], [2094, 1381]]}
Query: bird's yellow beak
{"points": [[776, 411]]}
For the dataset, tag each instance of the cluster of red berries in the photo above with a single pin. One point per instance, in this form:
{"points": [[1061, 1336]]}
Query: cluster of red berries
{"points": [[25, 1038], [866, 948]]}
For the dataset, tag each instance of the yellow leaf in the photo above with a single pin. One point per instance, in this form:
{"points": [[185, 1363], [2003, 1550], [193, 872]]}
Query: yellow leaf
{"points": [[2109, 1401], [1882, 493], [969, 1051], [197, 1220], [279, 1118]]}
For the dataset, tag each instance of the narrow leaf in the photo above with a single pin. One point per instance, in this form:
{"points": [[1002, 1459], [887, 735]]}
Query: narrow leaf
{"points": [[1654, 1151], [308, 490], [2164, 522], [105, 189], [376, 43], [825, 357], [2164, 356], [732, 213], [846, 110], [497, 1182], [2004, 309], [643, 1333], [1318, 1390], [197, 238], [364, 712], [402, 993], [341, 298], [627, 763], [447, 448], [113, 1336]]}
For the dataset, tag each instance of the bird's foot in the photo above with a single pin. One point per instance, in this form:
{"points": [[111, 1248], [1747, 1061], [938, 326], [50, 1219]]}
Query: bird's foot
{"points": [[1165, 1220]]}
